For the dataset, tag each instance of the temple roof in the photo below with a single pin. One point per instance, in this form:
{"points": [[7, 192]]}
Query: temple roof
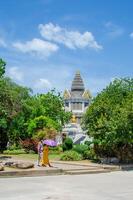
{"points": [[77, 83], [67, 94], [86, 94]]}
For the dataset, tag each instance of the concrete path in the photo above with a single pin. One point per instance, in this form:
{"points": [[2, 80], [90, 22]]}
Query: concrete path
{"points": [[108, 186], [58, 168]]}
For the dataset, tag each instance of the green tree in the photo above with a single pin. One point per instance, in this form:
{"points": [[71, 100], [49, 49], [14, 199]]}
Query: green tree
{"points": [[20, 111], [54, 107], [41, 122], [2, 67], [12, 97], [109, 120]]}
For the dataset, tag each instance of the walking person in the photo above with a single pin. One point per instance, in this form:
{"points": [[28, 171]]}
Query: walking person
{"points": [[40, 151], [45, 159]]}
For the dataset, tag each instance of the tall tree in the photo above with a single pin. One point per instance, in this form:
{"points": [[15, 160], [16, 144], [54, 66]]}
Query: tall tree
{"points": [[19, 110], [12, 97], [2, 67], [109, 120]]}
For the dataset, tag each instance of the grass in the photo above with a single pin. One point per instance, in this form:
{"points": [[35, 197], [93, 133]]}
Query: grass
{"points": [[33, 157]]}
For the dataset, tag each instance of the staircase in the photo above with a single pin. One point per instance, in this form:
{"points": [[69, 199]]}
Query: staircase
{"points": [[87, 170]]}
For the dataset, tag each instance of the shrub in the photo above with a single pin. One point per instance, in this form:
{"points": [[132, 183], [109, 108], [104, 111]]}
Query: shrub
{"points": [[14, 152], [14, 147], [29, 144], [90, 154], [88, 143], [55, 150], [67, 144], [31, 152], [80, 148], [71, 155]]}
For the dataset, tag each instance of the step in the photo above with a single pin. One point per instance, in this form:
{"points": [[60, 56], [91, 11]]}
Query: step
{"points": [[83, 169], [94, 171], [31, 173]]}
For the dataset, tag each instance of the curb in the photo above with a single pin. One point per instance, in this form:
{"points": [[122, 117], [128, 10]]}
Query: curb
{"points": [[31, 173], [126, 167], [104, 166], [14, 174], [94, 169], [77, 172]]}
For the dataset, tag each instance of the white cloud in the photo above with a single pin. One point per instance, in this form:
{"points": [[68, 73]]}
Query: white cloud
{"points": [[131, 35], [15, 73], [42, 84], [37, 47], [71, 39], [2, 43], [114, 30]]}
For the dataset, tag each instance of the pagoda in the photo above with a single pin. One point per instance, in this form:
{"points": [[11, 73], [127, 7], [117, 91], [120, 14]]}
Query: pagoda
{"points": [[78, 98]]}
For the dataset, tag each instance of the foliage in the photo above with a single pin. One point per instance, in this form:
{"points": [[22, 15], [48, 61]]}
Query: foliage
{"points": [[54, 107], [55, 150], [2, 68], [29, 144], [109, 120], [88, 143], [67, 144], [39, 135], [45, 133], [71, 156], [80, 148], [14, 152], [85, 151], [90, 154], [14, 147], [22, 114], [11, 105], [41, 122]]}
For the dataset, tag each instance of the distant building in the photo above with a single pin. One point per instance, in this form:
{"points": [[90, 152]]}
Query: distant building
{"points": [[77, 99]]}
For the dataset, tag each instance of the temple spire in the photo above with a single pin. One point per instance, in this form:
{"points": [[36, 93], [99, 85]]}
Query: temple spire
{"points": [[77, 83]]}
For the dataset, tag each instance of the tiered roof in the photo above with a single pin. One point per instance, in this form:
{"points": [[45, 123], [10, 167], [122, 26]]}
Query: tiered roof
{"points": [[77, 84], [77, 89]]}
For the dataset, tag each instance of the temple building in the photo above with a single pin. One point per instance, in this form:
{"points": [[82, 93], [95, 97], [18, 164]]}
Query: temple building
{"points": [[78, 98]]}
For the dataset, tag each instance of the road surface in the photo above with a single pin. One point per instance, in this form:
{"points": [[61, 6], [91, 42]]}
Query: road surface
{"points": [[106, 186]]}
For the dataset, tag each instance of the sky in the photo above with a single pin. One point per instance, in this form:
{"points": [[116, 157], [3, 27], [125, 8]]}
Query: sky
{"points": [[44, 42]]}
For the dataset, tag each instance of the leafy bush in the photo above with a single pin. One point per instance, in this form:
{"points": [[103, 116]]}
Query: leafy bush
{"points": [[67, 144], [80, 148], [55, 150], [14, 147], [71, 155], [88, 143], [90, 154], [30, 144], [31, 152], [15, 151]]}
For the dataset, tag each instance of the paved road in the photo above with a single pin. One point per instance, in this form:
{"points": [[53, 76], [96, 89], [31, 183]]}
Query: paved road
{"points": [[108, 186]]}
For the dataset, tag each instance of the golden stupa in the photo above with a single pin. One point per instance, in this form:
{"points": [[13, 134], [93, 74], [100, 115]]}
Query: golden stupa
{"points": [[73, 119]]}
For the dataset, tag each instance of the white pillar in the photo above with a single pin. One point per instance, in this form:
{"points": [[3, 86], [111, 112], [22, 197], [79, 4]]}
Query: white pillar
{"points": [[69, 106], [82, 106]]}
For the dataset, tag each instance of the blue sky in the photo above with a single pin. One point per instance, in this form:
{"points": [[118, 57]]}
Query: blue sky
{"points": [[44, 42]]}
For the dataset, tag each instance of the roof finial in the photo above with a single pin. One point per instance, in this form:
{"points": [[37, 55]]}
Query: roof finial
{"points": [[78, 72]]}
